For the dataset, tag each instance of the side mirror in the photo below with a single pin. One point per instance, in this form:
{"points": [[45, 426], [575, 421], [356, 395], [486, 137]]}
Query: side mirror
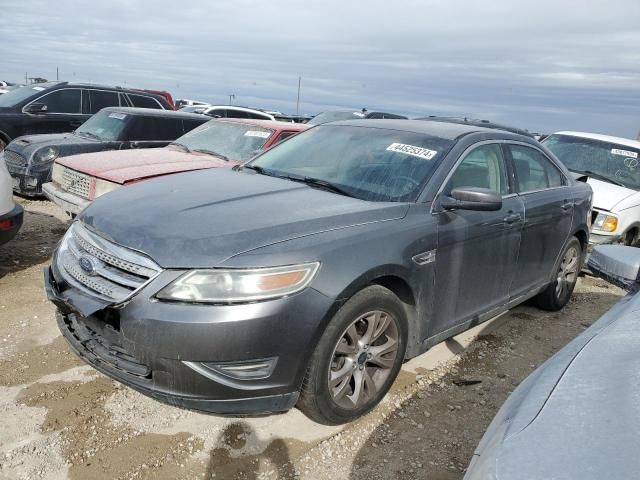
{"points": [[472, 198], [36, 108], [617, 264]]}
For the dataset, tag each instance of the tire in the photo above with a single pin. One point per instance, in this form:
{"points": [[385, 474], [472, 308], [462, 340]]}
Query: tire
{"points": [[558, 292], [363, 370]]}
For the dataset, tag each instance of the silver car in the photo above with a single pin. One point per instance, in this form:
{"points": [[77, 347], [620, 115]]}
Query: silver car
{"points": [[577, 416]]}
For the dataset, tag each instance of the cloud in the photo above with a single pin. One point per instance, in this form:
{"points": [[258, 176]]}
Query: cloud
{"points": [[543, 65]]}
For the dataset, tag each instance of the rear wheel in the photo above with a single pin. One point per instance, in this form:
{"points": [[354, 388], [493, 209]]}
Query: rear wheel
{"points": [[357, 358], [558, 292]]}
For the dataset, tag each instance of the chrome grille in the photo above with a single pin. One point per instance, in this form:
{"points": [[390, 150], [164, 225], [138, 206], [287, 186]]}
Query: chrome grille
{"points": [[102, 268], [74, 182], [13, 159]]}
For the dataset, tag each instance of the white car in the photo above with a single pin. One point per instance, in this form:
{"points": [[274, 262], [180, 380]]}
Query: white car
{"points": [[231, 111], [612, 168], [10, 212]]}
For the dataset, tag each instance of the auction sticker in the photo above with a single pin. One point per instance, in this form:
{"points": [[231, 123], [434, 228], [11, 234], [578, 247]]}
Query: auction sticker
{"points": [[256, 133], [412, 150], [624, 153], [119, 116]]}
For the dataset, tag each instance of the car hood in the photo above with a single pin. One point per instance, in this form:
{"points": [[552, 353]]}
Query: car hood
{"points": [[607, 196], [578, 411], [125, 166], [65, 142], [201, 219]]}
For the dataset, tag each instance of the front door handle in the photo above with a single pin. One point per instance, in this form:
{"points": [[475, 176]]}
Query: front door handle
{"points": [[566, 205], [512, 218], [75, 123]]}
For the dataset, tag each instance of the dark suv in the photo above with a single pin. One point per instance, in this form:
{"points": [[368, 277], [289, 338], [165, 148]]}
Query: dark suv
{"points": [[30, 158], [307, 275], [57, 107]]}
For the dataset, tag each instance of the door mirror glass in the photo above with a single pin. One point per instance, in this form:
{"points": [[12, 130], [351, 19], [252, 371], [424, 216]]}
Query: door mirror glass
{"points": [[36, 108], [472, 198], [618, 264]]}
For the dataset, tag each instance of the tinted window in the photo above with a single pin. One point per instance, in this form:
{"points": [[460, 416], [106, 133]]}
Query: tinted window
{"points": [[155, 128], [62, 101], [100, 99], [373, 164], [483, 167], [217, 113], [533, 170], [284, 136], [142, 101], [236, 114]]}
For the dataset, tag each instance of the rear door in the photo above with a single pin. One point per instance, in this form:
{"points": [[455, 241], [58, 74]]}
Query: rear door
{"points": [[548, 204], [475, 258]]}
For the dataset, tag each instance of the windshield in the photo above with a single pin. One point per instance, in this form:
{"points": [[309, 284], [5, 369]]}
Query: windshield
{"points": [[235, 141], [372, 164], [326, 117], [17, 95], [605, 160], [104, 125]]}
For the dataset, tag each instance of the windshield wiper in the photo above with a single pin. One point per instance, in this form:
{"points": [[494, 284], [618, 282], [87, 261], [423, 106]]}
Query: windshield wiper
{"points": [[211, 152], [180, 145], [90, 135], [316, 182], [599, 177]]}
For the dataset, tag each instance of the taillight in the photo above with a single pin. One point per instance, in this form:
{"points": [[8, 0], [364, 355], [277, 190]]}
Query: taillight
{"points": [[6, 224]]}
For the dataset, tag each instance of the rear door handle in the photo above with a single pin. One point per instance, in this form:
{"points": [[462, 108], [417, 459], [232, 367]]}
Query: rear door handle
{"points": [[512, 218], [566, 205], [75, 123]]}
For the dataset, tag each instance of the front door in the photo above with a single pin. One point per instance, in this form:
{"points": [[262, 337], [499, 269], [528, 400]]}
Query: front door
{"points": [[63, 113], [549, 212], [476, 252]]}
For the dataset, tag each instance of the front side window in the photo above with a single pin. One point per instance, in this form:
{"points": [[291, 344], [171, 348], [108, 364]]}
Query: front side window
{"points": [[235, 141], [100, 99], [62, 101], [533, 170], [373, 164], [606, 161], [483, 167]]}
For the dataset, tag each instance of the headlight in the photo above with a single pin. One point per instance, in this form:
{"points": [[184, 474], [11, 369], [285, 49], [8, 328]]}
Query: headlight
{"points": [[104, 186], [605, 223], [239, 285], [46, 155]]}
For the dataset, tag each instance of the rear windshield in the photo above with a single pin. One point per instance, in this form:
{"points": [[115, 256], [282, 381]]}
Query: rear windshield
{"points": [[326, 117], [105, 125], [368, 163], [235, 141], [618, 164]]}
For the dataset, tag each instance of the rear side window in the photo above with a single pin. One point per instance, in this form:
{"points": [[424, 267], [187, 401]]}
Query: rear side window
{"points": [[142, 101], [533, 170], [62, 101], [284, 136], [100, 99], [155, 128], [217, 113], [483, 167], [237, 114]]}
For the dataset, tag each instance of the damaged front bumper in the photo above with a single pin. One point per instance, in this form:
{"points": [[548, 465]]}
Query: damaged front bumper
{"points": [[171, 352], [70, 203]]}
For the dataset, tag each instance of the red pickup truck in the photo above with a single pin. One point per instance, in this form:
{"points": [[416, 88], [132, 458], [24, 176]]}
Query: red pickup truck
{"points": [[77, 180]]}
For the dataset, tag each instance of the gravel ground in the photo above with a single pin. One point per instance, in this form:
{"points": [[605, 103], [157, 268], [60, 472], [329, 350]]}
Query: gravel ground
{"points": [[61, 419]]}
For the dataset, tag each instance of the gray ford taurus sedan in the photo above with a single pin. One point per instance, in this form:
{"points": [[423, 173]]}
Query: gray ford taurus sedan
{"points": [[306, 276]]}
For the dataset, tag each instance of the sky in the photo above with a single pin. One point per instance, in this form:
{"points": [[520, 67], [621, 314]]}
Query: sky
{"points": [[544, 66]]}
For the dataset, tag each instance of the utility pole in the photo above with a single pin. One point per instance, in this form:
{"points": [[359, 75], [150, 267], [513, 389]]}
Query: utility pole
{"points": [[298, 101], [26, 77], [232, 96], [57, 73]]}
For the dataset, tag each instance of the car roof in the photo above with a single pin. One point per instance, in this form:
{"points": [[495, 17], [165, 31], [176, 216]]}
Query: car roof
{"points": [[270, 124], [477, 123], [604, 138], [446, 130], [153, 112]]}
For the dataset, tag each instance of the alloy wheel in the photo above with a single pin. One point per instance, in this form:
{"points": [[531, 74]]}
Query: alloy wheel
{"points": [[363, 359], [568, 272]]}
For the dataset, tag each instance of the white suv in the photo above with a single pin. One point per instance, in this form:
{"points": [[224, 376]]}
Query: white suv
{"points": [[612, 166], [10, 212]]}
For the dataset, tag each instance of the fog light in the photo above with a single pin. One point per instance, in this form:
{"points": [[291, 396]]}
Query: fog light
{"points": [[251, 370], [31, 181]]}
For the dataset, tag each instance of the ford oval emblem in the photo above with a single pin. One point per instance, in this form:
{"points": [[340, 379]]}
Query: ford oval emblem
{"points": [[87, 265]]}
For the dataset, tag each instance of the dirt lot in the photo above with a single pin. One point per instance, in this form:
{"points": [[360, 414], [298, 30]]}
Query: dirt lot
{"points": [[61, 419]]}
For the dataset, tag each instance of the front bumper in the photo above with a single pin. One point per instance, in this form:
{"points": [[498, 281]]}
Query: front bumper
{"points": [[69, 202], [147, 345], [28, 180], [598, 239], [15, 218]]}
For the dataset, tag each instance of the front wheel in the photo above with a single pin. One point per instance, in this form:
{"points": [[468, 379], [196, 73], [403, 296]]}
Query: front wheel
{"points": [[357, 359], [558, 292]]}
